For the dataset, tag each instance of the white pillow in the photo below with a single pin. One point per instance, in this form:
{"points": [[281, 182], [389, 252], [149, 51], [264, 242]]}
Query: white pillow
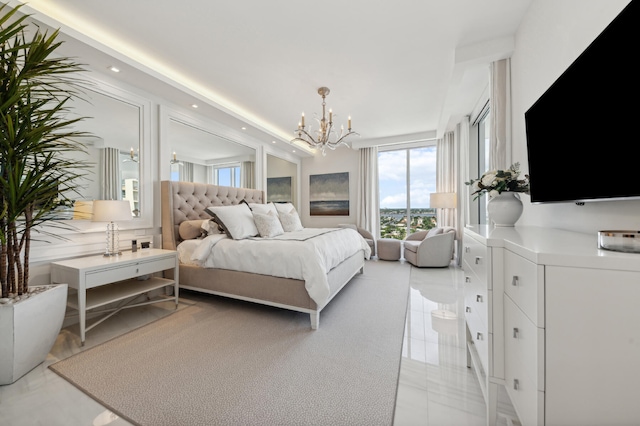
{"points": [[263, 208], [284, 207], [237, 221], [290, 221], [268, 224]]}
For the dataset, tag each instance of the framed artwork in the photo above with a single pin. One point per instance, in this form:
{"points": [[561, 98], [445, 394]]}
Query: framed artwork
{"points": [[279, 189], [329, 194]]}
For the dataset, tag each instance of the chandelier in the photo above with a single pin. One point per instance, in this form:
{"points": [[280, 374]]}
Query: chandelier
{"points": [[325, 132]]}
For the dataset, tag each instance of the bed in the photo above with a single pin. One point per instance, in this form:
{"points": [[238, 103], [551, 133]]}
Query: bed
{"points": [[254, 278]]}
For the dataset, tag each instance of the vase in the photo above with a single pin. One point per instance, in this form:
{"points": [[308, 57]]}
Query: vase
{"points": [[505, 209]]}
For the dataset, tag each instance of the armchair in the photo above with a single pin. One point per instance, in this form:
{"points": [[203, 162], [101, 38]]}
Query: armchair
{"points": [[368, 237], [430, 249]]}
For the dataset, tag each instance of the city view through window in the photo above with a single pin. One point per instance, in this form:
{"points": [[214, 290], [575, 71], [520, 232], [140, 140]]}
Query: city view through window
{"points": [[402, 211]]}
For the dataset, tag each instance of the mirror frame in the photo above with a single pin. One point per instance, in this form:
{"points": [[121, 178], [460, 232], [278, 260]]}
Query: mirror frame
{"points": [[285, 156], [145, 160], [201, 123]]}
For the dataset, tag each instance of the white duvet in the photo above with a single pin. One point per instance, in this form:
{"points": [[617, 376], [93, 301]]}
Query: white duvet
{"points": [[306, 255]]}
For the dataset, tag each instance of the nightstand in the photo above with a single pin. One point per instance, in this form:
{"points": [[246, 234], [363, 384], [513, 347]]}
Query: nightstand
{"points": [[100, 280]]}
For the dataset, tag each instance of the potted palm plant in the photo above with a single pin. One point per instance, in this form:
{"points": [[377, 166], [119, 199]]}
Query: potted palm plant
{"points": [[35, 133]]}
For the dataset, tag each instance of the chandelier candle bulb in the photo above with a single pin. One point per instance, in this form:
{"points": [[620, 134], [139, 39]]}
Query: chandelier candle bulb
{"points": [[303, 119], [349, 123], [174, 156]]}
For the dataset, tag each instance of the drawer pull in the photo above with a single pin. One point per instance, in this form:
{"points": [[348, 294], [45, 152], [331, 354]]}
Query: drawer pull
{"points": [[468, 309], [515, 280], [467, 279], [467, 249], [478, 298], [515, 332], [478, 260], [516, 384], [479, 336]]}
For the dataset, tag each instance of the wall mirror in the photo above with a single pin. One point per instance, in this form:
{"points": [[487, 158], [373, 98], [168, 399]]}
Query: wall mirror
{"points": [[197, 150], [282, 180], [118, 150]]}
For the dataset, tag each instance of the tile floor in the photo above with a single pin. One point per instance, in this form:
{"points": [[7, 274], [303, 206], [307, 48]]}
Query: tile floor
{"points": [[435, 386]]}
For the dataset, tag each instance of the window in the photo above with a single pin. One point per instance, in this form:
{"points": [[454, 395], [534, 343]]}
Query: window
{"points": [[226, 176], [406, 179], [484, 149]]}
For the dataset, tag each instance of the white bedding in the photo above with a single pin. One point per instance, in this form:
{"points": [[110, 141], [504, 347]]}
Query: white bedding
{"points": [[306, 255]]}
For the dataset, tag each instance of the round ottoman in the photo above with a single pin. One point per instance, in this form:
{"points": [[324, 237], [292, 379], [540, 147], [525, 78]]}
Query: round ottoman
{"points": [[389, 249]]}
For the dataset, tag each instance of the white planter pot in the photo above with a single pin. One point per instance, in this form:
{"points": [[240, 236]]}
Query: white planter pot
{"points": [[28, 330], [505, 209]]}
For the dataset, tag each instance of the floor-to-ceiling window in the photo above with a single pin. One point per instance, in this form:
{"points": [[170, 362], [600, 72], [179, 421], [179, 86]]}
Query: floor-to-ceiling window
{"points": [[483, 129], [406, 179]]}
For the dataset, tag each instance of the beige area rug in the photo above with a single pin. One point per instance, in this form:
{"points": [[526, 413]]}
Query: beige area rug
{"points": [[226, 362]]}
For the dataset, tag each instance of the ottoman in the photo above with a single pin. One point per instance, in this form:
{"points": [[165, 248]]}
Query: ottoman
{"points": [[389, 249]]}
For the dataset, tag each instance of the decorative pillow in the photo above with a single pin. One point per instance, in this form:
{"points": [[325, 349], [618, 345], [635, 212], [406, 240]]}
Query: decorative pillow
{"points": [[284, 207], [263, 208], [268, 224], [290, 221], [236, 221], [192, 229]]}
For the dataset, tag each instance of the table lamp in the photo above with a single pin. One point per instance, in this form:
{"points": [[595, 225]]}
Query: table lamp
{"points": [[443, 200], [112, 211]]}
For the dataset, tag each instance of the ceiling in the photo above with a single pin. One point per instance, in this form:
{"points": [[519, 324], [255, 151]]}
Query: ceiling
{"points": [[404, 70]]}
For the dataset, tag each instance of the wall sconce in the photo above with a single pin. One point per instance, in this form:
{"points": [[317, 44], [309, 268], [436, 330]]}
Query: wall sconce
{"points": [[112, 211], [174, 160]]}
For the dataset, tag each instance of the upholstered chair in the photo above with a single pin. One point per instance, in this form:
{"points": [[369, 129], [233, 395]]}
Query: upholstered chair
{"points": [[430, 249], [368, 237]]}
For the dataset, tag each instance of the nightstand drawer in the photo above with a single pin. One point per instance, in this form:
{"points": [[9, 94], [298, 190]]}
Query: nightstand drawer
{"points": [[127, 270]]}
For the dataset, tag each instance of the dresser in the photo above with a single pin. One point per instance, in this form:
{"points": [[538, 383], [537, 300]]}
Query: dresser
{"points": [[100, 281], [562, 323]]}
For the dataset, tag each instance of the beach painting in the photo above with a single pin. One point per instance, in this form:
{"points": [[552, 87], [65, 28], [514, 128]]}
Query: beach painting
{"points": [[279, 189], [329, 194]]}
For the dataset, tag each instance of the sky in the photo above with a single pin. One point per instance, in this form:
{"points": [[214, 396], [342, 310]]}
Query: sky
{"points": [[392, 166]]}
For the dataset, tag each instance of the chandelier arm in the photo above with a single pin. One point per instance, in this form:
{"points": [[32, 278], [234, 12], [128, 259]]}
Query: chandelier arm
{"points": [[307, 135]]}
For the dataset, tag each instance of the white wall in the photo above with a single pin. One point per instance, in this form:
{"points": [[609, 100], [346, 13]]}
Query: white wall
{"points": [[551, 36], [341, 160]]}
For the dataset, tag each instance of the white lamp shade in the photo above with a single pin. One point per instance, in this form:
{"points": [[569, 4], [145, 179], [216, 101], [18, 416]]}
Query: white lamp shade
{"points": [[443, 200], [111, 210]]}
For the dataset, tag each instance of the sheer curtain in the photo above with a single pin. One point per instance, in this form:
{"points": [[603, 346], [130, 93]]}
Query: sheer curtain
{"points": [[247, 174], [185, 172], [111, 185], [500, 107], [368, 203], [447, 176]]}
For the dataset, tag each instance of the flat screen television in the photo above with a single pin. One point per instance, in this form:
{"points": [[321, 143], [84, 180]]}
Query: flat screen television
{"points": [[583, 133]]}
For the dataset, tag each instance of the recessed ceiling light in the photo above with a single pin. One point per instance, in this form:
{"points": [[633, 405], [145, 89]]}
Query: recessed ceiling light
{"points": [[244, 128], [194, 106], [273, 141], [114, 69]]}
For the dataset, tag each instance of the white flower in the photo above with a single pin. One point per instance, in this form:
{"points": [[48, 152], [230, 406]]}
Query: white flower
{"points": [[488, 178], [493, 193]]}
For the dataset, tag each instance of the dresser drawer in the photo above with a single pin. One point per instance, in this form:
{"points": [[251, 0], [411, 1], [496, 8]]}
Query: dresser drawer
{"points": [[479, 337], [476, 257], [527, 400], [524, 283], [476, 299], [123, 271], [525, 343]]}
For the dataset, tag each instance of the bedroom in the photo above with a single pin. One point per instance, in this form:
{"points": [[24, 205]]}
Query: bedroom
{"points": [[549, 37]]}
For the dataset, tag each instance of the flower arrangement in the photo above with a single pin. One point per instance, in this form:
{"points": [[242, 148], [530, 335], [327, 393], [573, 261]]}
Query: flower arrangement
{"points": [[495, 182]]}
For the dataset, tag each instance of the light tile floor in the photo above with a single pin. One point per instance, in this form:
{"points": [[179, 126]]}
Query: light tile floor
{"points": [[435, 386]]}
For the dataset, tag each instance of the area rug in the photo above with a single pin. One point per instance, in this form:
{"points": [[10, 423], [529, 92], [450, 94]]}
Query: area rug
{"points": [[227, 362]]}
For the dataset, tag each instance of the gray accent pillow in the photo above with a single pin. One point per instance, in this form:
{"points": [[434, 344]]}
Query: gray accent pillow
{"points": [[268, 224]]}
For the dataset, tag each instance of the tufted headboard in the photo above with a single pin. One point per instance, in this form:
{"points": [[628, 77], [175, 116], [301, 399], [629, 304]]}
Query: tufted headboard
{"points": [[187, 200]]}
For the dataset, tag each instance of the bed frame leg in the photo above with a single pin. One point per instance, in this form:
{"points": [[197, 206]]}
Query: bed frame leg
{"points": [[315, 320]]}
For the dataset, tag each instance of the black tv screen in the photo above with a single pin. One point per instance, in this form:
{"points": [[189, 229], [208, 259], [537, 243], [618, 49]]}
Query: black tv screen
{"points": [[583, 141]]}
